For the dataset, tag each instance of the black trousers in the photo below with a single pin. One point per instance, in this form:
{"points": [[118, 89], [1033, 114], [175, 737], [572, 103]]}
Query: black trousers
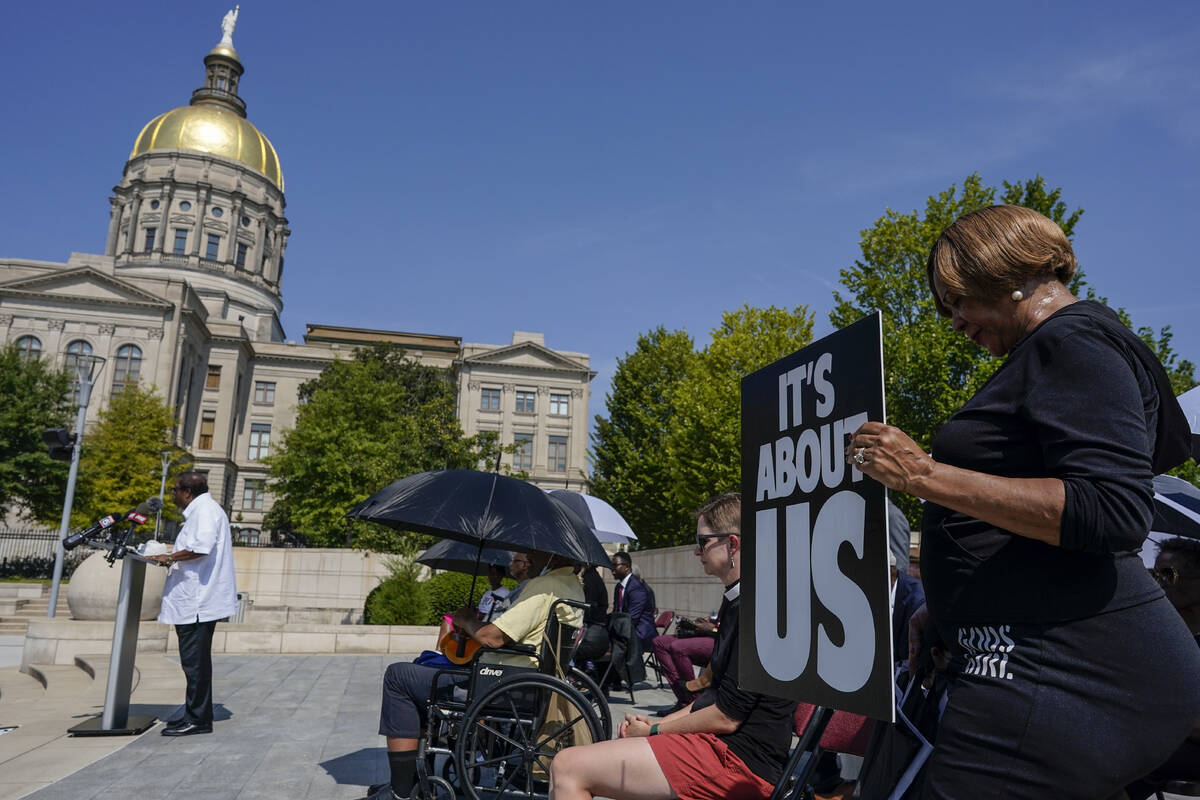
{"points": [[195, 656], [407, 689]]}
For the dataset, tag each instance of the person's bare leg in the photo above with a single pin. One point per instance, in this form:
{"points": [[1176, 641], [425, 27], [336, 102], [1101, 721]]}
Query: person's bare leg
{"points": [[623, 769], [395, 744]]}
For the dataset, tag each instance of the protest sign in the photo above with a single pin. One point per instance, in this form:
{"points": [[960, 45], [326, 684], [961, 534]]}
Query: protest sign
{"points": [[815, 616]]}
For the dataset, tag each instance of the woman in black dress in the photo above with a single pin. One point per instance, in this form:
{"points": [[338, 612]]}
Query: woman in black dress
{"points": [[1077, 676]]}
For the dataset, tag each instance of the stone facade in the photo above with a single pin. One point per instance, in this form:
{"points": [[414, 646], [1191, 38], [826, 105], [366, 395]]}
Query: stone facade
{"points": [[187, 299]]}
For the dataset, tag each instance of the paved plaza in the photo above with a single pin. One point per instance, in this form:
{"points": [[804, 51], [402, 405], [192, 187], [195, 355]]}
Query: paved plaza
{"points": [[287, 726]]}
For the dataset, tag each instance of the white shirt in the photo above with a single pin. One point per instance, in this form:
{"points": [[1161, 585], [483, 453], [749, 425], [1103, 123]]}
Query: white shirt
{"points": [[493, 603], [201, 589]]}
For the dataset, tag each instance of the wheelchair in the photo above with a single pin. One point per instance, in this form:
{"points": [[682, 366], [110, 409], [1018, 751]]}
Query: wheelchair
{"points": [[496, 743]]}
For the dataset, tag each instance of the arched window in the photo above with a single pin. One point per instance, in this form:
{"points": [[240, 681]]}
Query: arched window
{"points": [[30, 347], [75, 349], [126, 367]]}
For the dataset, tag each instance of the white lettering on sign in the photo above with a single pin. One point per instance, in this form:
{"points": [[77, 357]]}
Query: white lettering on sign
{"points": [[488, 672], [812, 569], [815, 455]]}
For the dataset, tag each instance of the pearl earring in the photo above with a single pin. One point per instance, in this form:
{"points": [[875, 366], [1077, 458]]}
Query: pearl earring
{"points": [[1017, 296]]}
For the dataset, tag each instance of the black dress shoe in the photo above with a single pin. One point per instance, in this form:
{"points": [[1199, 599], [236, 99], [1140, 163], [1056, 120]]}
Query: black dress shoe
{"points": [[188, 729], [175, 723]]}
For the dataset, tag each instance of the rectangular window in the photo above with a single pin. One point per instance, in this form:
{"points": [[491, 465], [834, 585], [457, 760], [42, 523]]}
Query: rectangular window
{"points": [[180, 241], [241, 255], [525, 402], [213, 381], [214, 245], [560, 404], [489, 400], [150, 234], [264, 392], [260, 441], [523, 458], [252, 495], [208, 424], [556, 458]]}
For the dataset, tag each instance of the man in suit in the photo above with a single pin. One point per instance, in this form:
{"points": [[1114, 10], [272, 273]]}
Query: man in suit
{"points": [[631, 597]]}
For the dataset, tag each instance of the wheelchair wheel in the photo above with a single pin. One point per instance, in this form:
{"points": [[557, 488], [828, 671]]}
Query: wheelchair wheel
{"points": [[512, 731], [588, 688]]}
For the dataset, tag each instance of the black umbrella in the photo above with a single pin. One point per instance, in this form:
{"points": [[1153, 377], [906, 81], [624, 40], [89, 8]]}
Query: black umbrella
{"points": [[1176, 507], [455, 556], [483, 508]]}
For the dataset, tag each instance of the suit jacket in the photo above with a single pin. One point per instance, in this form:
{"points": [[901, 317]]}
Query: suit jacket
{"points": [[637, 604], [910, 595]]}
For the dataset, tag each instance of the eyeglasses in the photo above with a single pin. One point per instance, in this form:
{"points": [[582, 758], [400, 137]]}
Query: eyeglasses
{"points": [[519, 561], [703, 539], [1169, 576]]}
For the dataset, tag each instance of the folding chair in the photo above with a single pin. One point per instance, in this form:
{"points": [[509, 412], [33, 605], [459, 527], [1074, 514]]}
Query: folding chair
{"points": [[661, 624], [820, 729]]}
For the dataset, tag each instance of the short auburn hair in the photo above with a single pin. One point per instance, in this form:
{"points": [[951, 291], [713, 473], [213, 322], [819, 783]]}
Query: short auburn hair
{"points": [[723, 513], [994, 250]]}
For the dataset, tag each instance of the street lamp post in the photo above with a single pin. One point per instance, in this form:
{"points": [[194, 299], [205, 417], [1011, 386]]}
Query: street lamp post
{"points": [[87, 370], [162, 488]]}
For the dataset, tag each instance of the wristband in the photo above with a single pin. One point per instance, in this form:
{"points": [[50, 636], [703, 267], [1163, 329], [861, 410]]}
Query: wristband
{"points": [[654, 729]]}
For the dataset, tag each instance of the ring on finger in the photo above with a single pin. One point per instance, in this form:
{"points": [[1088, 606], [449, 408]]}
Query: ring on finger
{"points": [[859, 455]]}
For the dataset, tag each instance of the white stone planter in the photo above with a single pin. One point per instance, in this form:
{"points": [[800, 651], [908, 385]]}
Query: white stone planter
{"points": [[92, 592]]}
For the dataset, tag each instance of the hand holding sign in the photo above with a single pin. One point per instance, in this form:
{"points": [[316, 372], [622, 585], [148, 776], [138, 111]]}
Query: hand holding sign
{"points": [[888, 455]]}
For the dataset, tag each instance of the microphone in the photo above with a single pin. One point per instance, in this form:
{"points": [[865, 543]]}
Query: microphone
{"points": [[144, 510], [76, 539], [136, 515]]}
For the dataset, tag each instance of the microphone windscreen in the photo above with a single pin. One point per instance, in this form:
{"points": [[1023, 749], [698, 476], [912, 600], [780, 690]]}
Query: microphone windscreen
{"points": [[151, 506]]}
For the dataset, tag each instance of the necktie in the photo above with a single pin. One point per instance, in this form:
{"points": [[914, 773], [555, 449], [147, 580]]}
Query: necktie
{"points": [[620, 596]]}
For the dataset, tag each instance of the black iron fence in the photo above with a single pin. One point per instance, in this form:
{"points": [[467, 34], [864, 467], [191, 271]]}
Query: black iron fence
{"points": [[29, 553]]}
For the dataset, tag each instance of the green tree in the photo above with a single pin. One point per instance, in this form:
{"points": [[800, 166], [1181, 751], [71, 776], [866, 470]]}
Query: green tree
{"points": [[363, 423], [121, 463], [703, 446], [33, 397], [629, 467]]}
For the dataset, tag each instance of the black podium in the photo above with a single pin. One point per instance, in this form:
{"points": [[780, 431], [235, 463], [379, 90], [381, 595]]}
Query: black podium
{"points": [[115, 721]]}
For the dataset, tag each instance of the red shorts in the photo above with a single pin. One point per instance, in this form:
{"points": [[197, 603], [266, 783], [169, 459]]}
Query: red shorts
{"points": [[699, 766]]}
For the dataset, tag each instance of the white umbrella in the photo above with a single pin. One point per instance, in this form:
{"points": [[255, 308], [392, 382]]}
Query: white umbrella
{"points": [[604, 520], [1176, 513]]}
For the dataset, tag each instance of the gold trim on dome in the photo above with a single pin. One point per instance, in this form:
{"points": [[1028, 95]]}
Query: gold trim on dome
{"points": [[211, 129]]}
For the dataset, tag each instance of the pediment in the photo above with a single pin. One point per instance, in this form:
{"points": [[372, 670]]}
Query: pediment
{"points": [[526, 354], [86, 285]]}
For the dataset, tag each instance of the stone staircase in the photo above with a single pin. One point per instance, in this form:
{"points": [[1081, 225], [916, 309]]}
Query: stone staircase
{"points": [[19, 605]]}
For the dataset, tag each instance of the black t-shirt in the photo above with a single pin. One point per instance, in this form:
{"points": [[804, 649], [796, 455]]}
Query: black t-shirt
{"points": [[764, 736], [1075, 400]]}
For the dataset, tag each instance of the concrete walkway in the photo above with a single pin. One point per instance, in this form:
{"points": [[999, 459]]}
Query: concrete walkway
{"points": [[287, 726]]}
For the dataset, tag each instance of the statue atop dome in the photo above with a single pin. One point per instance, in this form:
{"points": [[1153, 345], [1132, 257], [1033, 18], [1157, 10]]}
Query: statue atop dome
{"points": [[228, 23]]}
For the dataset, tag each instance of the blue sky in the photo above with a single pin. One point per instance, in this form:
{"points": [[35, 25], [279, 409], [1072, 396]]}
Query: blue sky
{"points": [[593, 170]]}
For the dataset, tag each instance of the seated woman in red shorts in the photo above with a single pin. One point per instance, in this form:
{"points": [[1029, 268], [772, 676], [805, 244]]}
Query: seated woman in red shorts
{"points": [[729, 743]]}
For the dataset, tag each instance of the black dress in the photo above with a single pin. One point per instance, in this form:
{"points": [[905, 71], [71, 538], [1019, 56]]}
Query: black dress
{"points": [[1077, 676]]}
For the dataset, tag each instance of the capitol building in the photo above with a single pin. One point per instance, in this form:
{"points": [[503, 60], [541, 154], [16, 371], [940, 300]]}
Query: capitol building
{"points": [[187, 297]]}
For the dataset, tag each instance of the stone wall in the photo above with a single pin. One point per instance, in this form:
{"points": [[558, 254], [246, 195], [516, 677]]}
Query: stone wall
{"points": [[678, 581], [59, 641], [307, 578]]}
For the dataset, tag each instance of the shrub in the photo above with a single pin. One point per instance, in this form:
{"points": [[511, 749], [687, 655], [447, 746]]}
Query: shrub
{"points": [[38, 567], [399, 599]]}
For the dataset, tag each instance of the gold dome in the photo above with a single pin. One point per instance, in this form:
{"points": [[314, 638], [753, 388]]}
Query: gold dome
{"points": [[211, 129]]}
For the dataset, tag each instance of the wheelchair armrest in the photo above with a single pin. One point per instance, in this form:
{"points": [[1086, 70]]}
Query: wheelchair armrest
{"points": [[518, 649]]}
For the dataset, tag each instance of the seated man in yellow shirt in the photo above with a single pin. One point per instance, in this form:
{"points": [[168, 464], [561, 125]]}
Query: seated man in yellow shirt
{"points": [[407, 687]]}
